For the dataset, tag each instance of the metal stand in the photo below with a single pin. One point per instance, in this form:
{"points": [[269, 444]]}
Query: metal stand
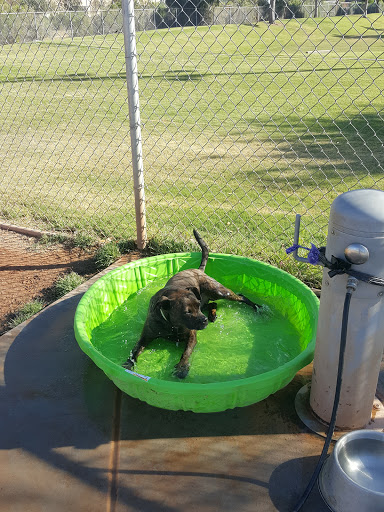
{"points": [[315, 424]]}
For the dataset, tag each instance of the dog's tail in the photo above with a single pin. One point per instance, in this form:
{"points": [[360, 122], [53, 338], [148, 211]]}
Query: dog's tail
{"points": [[204, 249]]}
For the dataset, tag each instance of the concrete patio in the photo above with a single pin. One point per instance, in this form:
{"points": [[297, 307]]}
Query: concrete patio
{"points": [[71, 441]]}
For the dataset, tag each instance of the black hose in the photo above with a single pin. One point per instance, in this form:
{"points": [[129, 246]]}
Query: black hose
{"points": [[332, 423]]}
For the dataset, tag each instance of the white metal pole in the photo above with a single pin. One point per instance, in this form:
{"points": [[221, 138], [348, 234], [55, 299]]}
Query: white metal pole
{"points": [[134, 119]]}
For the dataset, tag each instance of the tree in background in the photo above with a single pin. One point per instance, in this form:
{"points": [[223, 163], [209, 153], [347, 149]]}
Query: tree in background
{"points": [[282, 9], [190, 12], [13, 6], [39, 5]]}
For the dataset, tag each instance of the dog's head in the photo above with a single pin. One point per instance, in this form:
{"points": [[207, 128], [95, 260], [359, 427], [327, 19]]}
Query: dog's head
{"points": [[181, 308]]}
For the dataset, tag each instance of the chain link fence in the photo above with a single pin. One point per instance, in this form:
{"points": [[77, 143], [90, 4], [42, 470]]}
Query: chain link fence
{"points": [[244, 122]]}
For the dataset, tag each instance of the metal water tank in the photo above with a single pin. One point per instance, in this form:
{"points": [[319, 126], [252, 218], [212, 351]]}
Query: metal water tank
{"points": [[356, 234]]}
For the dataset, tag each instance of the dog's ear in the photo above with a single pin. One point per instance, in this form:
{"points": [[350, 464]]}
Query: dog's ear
{"points": [[164, 303], [163, 306], [196, 292]]}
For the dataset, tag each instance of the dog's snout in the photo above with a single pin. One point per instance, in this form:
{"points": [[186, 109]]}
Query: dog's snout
{"points": [[203, 321], [195, 322]]}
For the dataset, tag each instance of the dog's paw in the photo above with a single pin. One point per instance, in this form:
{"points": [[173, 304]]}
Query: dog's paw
{"points": [[256, 307], [181, 371], [128, 365], [212, 313]]}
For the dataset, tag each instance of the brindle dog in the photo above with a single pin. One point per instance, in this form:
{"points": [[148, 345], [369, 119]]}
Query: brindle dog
{"points": [[175, 310]]}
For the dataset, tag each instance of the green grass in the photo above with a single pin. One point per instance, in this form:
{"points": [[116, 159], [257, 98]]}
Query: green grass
{"points": [[242, 128], [66, 284], [25, 312], [106, 255]]}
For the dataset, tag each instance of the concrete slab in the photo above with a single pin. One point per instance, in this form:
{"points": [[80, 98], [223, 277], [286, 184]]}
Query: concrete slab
{"points": [[70, 441], [253, 458], [57, 416]]}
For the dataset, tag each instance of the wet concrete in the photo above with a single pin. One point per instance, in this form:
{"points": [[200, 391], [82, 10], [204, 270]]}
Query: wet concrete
{"points": [[71, 441]]}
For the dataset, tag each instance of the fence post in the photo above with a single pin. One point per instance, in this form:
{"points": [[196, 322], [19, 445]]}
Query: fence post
{"points": [[134, 119], [36, 29], [272, 11]]}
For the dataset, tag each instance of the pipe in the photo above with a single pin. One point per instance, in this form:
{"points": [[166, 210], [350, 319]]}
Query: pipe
{"points": [[296, 240]]}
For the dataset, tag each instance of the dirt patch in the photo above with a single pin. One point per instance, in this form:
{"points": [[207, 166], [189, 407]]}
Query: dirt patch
{"points": [[28, 270]]}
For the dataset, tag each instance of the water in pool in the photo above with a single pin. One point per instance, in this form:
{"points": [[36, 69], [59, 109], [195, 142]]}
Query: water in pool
{"points": [[241, 343]]}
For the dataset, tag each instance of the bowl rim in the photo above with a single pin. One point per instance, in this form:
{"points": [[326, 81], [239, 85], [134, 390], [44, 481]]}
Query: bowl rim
{"points": [[299, 361], [350, 437]]}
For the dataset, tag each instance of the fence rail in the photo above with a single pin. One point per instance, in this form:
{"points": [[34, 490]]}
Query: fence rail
{"points": [[243, 123]]}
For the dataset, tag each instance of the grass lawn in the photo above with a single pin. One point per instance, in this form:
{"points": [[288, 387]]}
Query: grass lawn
{"points": [[243, 126]]}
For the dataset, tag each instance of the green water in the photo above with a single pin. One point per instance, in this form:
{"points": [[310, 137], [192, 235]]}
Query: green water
{"points": [[241, 343]]}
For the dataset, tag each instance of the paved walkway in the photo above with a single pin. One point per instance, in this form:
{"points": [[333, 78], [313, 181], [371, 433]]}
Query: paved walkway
{"points": [[70, 441]]}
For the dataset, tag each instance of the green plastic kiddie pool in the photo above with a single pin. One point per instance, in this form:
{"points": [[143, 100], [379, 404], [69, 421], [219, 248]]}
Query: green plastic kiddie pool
{"points": [[240, 359]]}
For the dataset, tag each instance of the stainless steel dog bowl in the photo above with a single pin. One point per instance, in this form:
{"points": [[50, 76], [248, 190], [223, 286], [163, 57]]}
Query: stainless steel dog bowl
{"points": [[352, 478]]}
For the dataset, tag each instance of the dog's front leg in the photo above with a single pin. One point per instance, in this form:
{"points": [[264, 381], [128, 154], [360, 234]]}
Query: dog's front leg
{"points": [[182, 368], [136, 351]]}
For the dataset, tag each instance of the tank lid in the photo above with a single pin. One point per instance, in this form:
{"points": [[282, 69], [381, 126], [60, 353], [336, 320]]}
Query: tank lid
{"points": [[359, 210]]}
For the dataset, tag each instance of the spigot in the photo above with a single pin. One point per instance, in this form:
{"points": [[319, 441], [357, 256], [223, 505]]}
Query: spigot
{"points": [[313, 255]]}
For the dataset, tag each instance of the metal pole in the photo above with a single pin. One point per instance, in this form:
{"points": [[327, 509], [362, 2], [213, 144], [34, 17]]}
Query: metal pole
{"points": [[134, 119], [272, 13], [36, 29]]}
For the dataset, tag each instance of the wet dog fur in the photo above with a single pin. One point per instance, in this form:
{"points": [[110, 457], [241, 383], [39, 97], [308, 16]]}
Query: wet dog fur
{"points": [[175, 311]]}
